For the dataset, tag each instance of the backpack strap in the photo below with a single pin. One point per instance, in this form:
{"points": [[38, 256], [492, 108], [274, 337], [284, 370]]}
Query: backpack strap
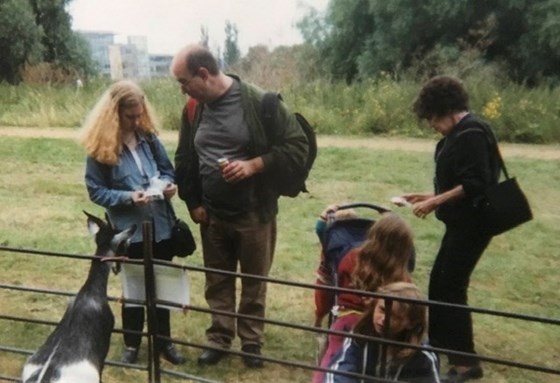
{"points": [[269, 106], [190, 109]]}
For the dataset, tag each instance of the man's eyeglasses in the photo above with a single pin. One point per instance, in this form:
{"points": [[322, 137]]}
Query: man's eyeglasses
{"points": [[186, 81]]}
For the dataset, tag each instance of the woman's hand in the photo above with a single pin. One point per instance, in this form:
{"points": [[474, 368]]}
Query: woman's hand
{"points": [[169, 191], [417, 197], [139, 198], [422, 209], [430, 202]]}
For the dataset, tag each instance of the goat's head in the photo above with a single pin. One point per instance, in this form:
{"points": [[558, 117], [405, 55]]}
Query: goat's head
{"points": [[110, 241]]}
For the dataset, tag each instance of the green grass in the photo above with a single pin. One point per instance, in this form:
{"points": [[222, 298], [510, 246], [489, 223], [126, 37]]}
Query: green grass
{"points": [[42, 195]]}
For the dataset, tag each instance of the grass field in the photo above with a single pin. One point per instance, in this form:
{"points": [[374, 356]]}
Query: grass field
{"points": [[42, 197]]}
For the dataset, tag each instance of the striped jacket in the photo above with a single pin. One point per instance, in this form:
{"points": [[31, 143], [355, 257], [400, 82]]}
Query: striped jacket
{"points": [[420, 367]]}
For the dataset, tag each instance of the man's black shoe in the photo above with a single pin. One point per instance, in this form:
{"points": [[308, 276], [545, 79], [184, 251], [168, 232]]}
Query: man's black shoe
{"points": [[129, 355], [210, 357], [252, 361], [171, 354]]}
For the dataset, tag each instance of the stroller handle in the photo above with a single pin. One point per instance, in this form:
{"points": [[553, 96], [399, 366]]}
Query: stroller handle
{"points": [[377, 208]]}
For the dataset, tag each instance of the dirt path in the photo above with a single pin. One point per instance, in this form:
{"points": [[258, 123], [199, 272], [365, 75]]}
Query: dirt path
{"points": [[545, 152]]}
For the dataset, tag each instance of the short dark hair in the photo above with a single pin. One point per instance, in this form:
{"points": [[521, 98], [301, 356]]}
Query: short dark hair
{"points": [[440, 96], [202, 58]]}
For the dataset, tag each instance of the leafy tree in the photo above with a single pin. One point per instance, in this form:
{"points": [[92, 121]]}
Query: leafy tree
{"points": [[365, 37], [535, 54], [231, 46], [340, 38], [39, 31], [20, 39], [62, 46]]}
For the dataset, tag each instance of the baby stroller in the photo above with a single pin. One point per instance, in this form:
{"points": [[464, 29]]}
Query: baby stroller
{"points": [[339, 237]]}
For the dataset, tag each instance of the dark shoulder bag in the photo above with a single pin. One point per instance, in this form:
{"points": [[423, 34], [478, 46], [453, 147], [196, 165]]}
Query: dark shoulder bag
{"points": [[181, 236], [503, 206]]}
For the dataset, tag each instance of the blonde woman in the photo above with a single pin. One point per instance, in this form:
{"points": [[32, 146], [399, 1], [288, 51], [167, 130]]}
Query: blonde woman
{"points": [[129, 173], [408, 323]]}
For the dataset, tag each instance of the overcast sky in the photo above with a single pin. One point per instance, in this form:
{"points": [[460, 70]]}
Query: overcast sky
{"points": [[170, 24]]}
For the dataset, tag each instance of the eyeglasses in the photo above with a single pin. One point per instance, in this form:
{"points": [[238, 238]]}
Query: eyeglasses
{"points": [[186, 81]]}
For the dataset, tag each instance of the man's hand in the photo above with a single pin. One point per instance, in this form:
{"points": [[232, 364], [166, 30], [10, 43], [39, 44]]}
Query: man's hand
{"points": [[236, 171], [198, 215]]}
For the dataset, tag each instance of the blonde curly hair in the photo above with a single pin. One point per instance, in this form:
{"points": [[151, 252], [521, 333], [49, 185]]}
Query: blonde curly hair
{"points": [[101, 132]]}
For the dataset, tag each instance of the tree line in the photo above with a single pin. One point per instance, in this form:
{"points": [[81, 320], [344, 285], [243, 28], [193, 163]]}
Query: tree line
{"points": [[36, 35], [351, 41], [361, 38]]}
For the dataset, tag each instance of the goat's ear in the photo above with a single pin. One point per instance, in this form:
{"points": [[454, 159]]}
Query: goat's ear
{"points": [[93, 227], [94, 223]]}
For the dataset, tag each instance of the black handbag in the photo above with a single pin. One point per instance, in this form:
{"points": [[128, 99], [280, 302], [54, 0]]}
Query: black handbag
{"points": [[503, 206], [181, 236]]}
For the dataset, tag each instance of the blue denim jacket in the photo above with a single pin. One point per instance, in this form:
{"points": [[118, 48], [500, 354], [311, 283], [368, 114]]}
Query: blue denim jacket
{"points": [[112, 187]]}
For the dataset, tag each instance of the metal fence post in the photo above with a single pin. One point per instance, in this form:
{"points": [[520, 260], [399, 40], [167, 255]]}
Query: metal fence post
{"points": [[154, 373]]}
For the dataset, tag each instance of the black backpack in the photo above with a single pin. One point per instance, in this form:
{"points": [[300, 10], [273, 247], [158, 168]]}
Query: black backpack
{"points": [[292, 182]]}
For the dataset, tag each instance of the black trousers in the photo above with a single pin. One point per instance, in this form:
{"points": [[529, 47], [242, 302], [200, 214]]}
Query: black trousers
{"points": [[133, 317], [451, 328]]}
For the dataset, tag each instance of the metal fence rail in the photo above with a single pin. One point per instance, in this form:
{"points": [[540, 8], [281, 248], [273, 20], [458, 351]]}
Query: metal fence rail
{"points": [[153, 368]]}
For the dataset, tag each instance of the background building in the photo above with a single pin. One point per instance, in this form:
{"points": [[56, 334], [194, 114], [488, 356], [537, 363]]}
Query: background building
{"points": [[130, 60], [159, 65], [99, 43]]}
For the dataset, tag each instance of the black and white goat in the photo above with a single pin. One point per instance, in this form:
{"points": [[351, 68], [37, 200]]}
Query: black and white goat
{"points": [[76, 349]]}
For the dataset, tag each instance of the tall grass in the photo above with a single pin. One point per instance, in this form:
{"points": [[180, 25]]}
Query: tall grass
{"points": [[378, 106], [42, 195], [46, 105]]}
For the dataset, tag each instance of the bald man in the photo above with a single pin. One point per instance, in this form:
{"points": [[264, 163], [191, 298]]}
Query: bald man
{"points": [[224, 167]]}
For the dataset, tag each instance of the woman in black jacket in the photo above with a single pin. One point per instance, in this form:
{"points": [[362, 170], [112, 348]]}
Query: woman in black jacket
{"points": [[466, 164]]}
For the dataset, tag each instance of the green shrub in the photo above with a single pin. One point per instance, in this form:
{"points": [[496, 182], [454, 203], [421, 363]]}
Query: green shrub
{"points": [[379, 106]]}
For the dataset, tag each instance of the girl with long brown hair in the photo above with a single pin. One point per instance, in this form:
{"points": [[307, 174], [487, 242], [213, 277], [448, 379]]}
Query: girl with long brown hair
{"points": [[383, 258]]}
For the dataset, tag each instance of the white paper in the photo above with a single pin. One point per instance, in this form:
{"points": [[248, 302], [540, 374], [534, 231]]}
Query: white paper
{"points": [[156, 188], [172, 284], [400, 201]]}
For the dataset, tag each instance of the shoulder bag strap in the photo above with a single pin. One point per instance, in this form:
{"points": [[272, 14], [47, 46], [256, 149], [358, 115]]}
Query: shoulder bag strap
{"points": [[491, 137], [150, 139], [494, 142]]}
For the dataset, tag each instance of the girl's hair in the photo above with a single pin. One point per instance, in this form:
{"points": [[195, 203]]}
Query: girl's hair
{"points": [[383, 257], [101, 132], [440, 96], [416, 315]]}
